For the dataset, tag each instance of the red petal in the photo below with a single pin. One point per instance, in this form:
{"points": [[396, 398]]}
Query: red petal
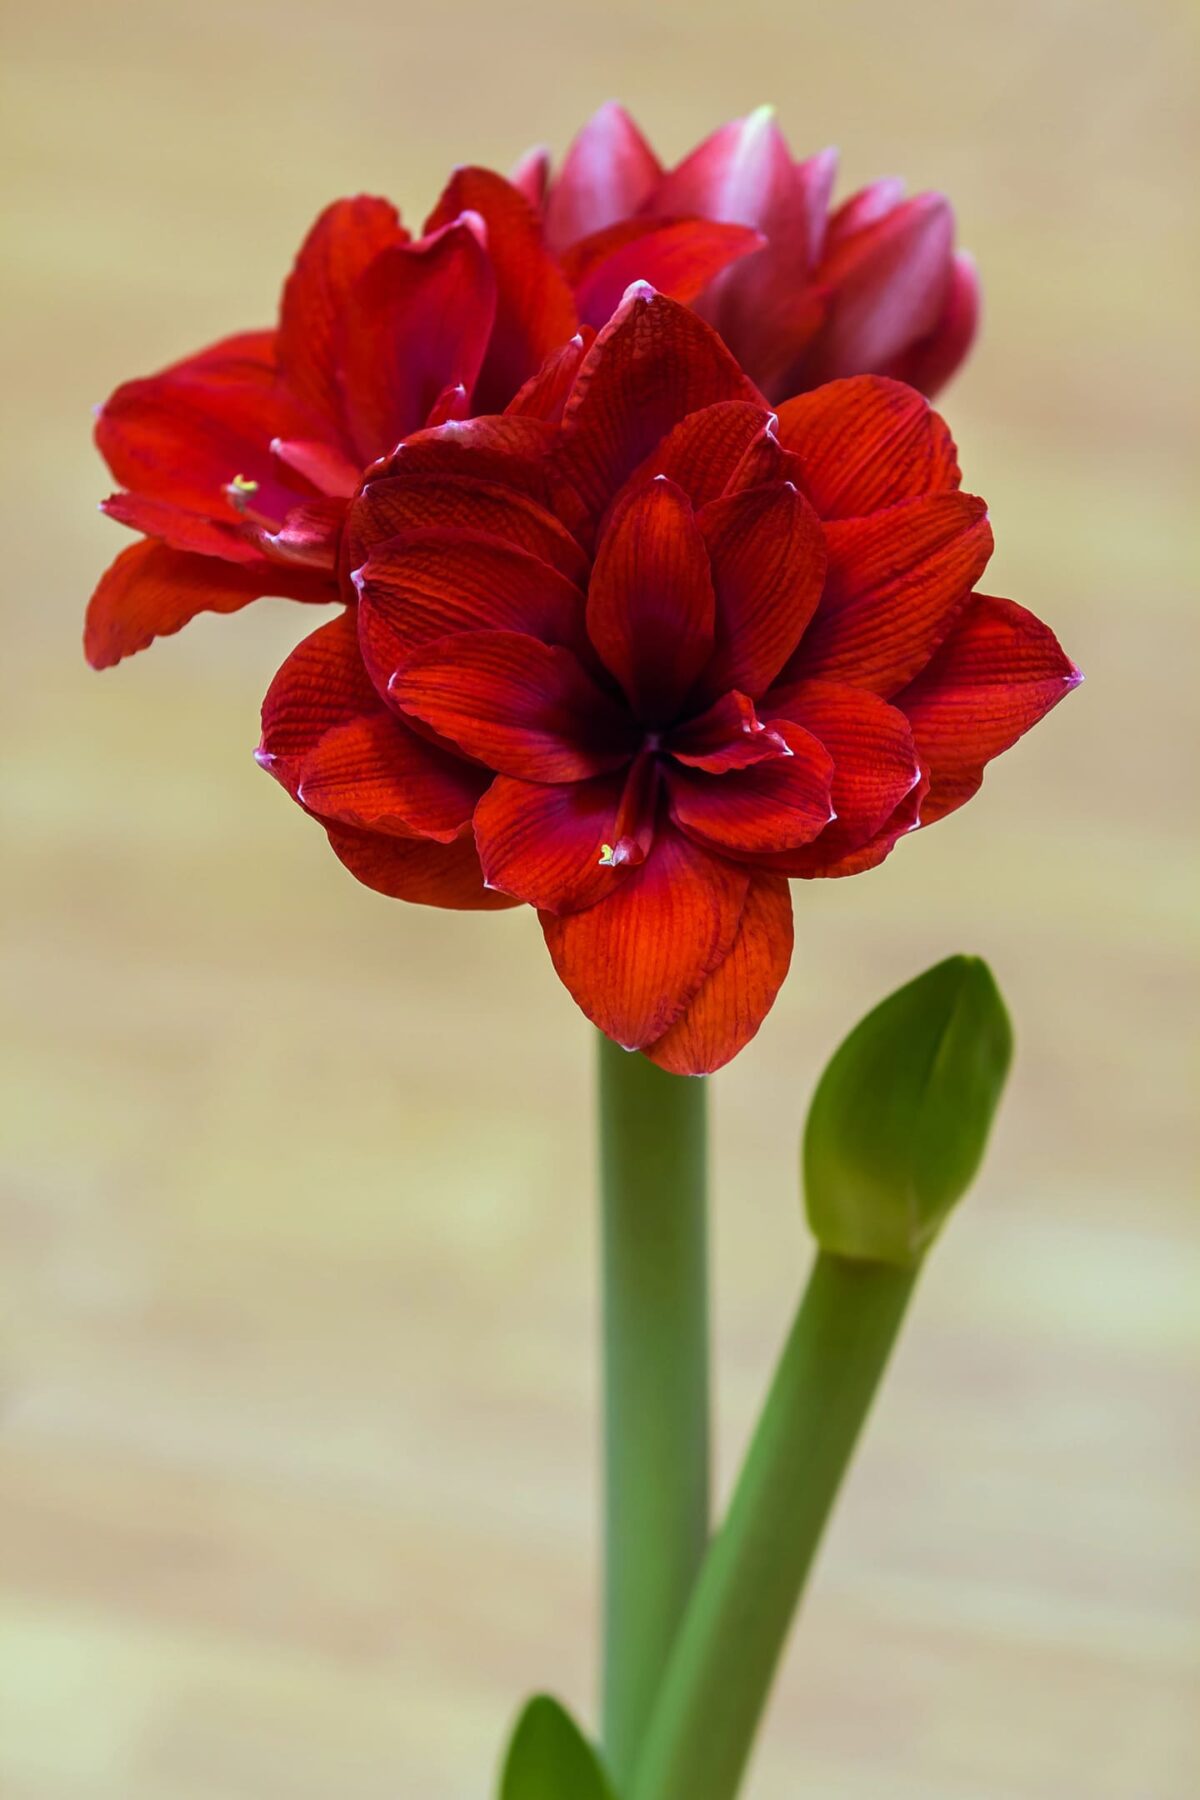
{"points": [[544, 395], [775, 805], [768, 564], [703, 452], [728, 736], [535, 310], [930, 364], [509, 450], [766, 308], [650, 606], [416, 322], [633, 962], [815, 863], [608, 173], [765, 462], [742, 172], [896, 581], [320, 686], [678, 257], [375, 773], [543, 844], [875, 765], [887, 287], [865, 444], [998, 672], [415, 869], [868, 205], [151, 591], [182, 529], [523, 707], [183, 435], [310, 535], [343, 243], [328, 468], [428, 585], [738, 995], [653, 363], [408, 503], [531, 177]]}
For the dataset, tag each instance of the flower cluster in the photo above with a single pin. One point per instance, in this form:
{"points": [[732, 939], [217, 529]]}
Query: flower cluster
{"points": [[622, 638]]}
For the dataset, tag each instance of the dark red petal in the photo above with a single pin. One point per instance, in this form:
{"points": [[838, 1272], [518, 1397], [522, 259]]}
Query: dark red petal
{"points": [[511, 451], [772, 806], [523, 707], [738, 995], [374, 773], [416, 869], [183, 435], [407, 503], [544, 844], [634, 961], [875, 765], [930, 363], [650, 605], [653, 363], [704, 451], [896, 581], [887, 287], [608, 173], [535, 310], [151, 591], [865, 444], [678, 257], [768, 563], [544, 395], [182, 529], [998, 672], [320, 686], [816, 862], [433, 584], [416, 322], [345, 240], [765, 461], [728, 736]]}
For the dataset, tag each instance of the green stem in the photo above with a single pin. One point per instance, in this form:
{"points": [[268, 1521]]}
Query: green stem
{"points": [[703, 1726], [656, 1456]]}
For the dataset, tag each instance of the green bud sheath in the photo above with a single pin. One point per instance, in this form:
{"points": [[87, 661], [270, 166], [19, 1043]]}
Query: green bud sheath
{"points": [[550, 1759], [901, 1116], [896, 1131]]}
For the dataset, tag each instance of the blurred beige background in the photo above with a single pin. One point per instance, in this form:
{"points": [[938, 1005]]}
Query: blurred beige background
{"points": [[298, 1385]]}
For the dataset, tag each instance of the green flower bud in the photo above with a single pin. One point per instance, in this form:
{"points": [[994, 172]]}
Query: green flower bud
{"points": [[550, 1759], [900, 1118]]}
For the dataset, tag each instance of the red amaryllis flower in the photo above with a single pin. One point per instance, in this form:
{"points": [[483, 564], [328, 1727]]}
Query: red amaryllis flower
{"points": [[640, 668], [874, 287], [239, 462]]}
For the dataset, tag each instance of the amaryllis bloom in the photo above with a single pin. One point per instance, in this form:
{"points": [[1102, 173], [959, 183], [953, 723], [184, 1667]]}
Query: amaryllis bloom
{"points": [[639, 668], [238, 463], [875, 286]]}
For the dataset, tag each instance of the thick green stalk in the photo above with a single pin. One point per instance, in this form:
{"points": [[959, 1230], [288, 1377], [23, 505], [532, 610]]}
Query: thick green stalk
{"points": [[656, 1409], [702, 1729]]}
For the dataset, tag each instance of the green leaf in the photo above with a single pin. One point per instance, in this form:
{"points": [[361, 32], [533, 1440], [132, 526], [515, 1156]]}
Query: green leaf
{"points": [[901, 1116], [550, 1759]]}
